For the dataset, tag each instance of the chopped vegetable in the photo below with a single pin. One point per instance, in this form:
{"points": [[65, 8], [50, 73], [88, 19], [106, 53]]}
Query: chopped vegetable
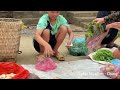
{"points": [[103, 55]]}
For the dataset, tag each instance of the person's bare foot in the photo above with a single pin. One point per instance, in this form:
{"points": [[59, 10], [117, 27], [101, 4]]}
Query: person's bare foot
{"points": [[59, 56]]}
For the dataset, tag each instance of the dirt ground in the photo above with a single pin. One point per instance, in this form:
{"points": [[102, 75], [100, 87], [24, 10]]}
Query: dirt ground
{"points": [[28, 55]]}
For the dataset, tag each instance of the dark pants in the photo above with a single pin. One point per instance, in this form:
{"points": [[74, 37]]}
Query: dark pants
{"points": [[52, 40], [112, 33]]}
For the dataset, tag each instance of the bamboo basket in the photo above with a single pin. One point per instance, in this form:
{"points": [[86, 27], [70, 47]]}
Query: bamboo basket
{"points": [[10, 29]]}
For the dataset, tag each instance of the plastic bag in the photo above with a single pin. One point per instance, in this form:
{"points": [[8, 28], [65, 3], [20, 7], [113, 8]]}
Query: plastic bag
{"points": [[116, 62], [79, 48], [45, 65], [94, 35], [11, 67], [92, 42], [111, 71], [80, 40]]}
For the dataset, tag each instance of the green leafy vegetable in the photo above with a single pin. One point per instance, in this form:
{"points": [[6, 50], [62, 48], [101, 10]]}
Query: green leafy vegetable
{"points": [[93, 28], [103, 55]]}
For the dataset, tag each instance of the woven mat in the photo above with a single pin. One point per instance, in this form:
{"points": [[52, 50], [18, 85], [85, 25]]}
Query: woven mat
{"points": [[79, 69]]}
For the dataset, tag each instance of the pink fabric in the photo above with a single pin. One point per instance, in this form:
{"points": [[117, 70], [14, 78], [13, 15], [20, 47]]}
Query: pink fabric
{"points": [[45, 65], [112, 73], [92, 42]]}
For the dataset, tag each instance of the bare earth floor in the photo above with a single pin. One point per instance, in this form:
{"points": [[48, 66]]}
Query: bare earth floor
{"points": [[29, 54]]}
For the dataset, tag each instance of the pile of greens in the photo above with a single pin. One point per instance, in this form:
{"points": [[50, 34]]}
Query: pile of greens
{"points": [[93, 29], [103, 55]]}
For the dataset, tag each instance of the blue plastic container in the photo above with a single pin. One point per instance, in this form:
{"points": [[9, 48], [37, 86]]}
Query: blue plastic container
{"points": [[115, 62]]}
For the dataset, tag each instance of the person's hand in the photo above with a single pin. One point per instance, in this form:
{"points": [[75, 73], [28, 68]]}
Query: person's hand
{"points": [[48, 51], [69, 43], [108, 26], [99, 20], [40, 57], [115, 25]]}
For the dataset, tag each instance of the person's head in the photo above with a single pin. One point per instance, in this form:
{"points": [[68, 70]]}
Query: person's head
{"points": [[53, 14]]}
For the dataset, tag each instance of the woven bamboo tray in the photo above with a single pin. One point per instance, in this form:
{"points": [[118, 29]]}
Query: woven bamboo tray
{"points": [[10, 29]]}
